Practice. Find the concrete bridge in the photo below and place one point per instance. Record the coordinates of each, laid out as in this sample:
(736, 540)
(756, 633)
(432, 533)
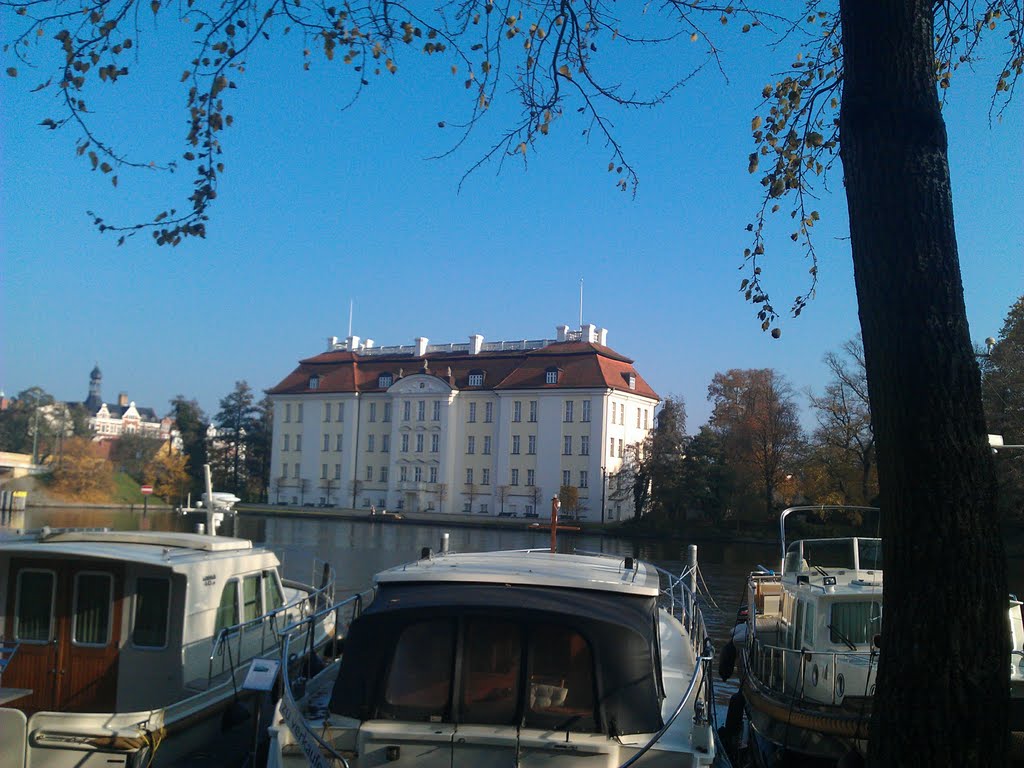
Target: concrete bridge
(14, 465)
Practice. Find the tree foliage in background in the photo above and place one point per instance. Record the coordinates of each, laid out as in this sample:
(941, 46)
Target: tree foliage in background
(660, 465)
(258, 447)
(191, 423)
(235, 421)
(706, 479)
(755, 418)
(1003, 391)
(132, 453)
(844, 441)
(84, 475)
(569, 500)
(20, 422)
(166, 472)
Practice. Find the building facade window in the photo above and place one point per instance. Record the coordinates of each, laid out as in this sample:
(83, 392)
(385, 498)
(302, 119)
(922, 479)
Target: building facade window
(421, 410)
(485, 476)
(314, 382)
(433, 474)
(435, 443)
(551, 376)
(417, 474)
(369, 473)
(638, 418)
(384, 381)
(385, 443)
(567, 445)
(341, 411)
(515, 444)
(476, 379)
(373, 411)
(406, 410)
(298, 412)
(531, 444)
(611, 446)
(298, 442)
(584, 445)
(337, 443)
(405, 443)
(419, 443)
(568, 410)
(287, 412)
(337, 471)
(471, 444)
(403, 474)
(387, 412)
(488, 412)
(469, 476)
(583, 478)
(622, 413)
(323, 471)
(566, 479)
(327, 411)
(517, 410)
(645, 418)
(533, 410)
(287, 441)
(632, 381)
(530, 475)
(327, 442)
(436, 416)
(586, 411)
(369, 443)
(384, 474)
(472, 412)
(487, 445)
(296, 470)
(515, 477)
(621, 454)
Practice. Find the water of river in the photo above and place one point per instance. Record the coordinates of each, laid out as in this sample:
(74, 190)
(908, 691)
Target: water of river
(360, 548)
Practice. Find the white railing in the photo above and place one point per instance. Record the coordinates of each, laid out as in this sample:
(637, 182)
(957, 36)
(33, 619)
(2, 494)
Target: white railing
(785, 671)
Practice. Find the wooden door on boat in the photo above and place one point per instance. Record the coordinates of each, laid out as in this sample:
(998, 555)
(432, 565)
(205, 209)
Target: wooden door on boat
(66, 616)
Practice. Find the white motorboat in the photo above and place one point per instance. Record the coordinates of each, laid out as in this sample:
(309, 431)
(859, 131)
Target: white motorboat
(523, 658)
(807, 642)
(128, 647)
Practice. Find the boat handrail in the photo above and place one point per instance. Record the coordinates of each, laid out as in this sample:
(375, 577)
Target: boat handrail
(299, 629)
(763, 656)
(813, 508)
(305, 603)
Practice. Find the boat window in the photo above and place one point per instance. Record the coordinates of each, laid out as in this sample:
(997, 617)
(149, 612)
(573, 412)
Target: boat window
(870, 554)
(33, 615)
(94, 595)
(227, 611)
(274, 596)
(419, 680)
(490, 672)
(829, 553)
(561, 676)
(152, 601)
(252, 607)
(857, 622)
(798, 625)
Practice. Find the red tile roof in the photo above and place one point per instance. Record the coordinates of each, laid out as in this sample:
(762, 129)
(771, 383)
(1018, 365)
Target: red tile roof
(580, 365)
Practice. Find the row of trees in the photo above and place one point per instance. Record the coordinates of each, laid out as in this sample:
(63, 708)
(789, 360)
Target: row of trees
(237, 447)
(753, 456)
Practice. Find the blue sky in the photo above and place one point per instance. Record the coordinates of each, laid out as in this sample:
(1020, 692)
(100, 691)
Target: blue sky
(320, 206)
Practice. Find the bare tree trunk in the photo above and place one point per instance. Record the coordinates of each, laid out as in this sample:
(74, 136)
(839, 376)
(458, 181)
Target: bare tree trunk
(943, 684)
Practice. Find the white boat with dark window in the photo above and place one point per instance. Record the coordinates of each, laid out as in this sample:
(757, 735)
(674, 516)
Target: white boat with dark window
(522, 658)
(807, 642)
(128, 647)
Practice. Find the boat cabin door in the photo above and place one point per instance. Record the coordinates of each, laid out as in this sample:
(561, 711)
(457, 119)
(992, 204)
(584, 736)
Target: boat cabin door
(66, 616)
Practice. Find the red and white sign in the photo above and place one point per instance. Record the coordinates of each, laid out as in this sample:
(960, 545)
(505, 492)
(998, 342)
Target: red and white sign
(146, 490)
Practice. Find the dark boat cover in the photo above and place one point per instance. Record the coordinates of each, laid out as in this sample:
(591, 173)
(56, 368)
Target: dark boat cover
(620, 630)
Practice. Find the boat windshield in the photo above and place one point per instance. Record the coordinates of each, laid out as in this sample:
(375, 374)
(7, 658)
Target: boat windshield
(834, 554)
(857, 622)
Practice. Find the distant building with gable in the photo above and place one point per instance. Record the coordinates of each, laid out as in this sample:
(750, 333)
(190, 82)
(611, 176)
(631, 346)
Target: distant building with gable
(111, 420)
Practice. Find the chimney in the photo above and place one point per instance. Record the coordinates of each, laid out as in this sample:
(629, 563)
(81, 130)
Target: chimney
(122, 399)
(352, 343)
(589, 332)
(563, 332)
(476, 343)
(332, 341)
(602, 337)
(421, 345)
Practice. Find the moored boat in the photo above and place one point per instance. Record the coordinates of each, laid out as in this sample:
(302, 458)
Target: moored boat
(807, 646)
(517, 657)
(132, 647)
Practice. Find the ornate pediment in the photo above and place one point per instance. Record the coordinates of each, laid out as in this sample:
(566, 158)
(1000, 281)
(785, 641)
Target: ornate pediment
(420, 383)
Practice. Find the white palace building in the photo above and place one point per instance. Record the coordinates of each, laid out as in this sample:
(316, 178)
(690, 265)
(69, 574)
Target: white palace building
(479, 427)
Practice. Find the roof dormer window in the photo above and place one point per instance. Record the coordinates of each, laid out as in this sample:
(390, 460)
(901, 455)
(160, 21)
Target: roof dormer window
(476, 378)
(314, 382)
(551, 376)
(632, 381)
(384, 381)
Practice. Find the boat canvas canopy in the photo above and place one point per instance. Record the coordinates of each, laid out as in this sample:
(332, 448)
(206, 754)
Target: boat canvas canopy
(615, 635)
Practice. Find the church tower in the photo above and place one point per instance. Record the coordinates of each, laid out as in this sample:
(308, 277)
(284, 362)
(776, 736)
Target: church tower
(95, 398)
